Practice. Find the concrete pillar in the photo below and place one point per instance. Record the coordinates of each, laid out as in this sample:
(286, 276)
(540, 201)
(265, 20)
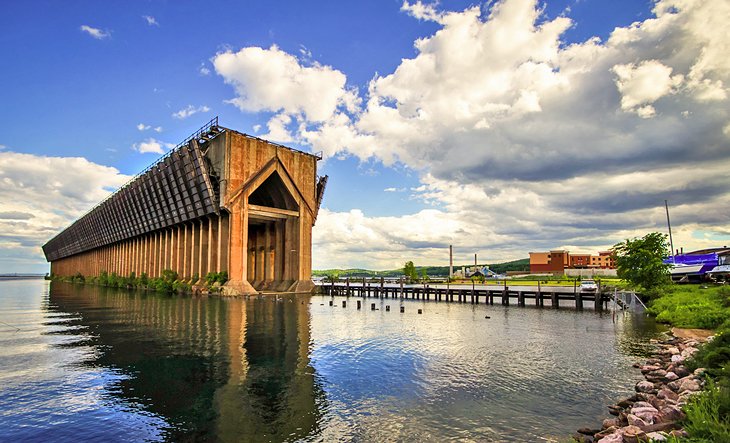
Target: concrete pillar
(259, 242)
(250, 257)
(237, 250)
(150, 255)
(213, 244)
(291, 250)
(164, 262)
(185, 273)
(223, 239)
(136, 256)
(203, 257)
(279, 252)
(194, 250)
(268, 253)
(125, 260)
(178, 250)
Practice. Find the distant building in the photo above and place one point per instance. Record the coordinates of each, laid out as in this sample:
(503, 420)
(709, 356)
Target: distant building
(557, 261)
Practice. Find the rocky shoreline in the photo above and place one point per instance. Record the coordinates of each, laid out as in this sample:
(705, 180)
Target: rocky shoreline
(654, 412)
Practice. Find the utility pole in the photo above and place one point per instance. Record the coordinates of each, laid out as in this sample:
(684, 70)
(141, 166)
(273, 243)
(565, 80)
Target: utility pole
(451, 261)
(669, 225)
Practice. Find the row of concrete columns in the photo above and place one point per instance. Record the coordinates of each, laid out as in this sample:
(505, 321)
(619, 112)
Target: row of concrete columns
(190, 249)
(272, 258)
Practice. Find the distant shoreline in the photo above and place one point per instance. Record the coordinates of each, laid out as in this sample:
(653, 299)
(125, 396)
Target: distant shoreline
(21, 276)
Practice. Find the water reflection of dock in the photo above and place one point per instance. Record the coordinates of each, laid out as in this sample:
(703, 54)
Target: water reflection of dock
(539, 295)
(215, 369)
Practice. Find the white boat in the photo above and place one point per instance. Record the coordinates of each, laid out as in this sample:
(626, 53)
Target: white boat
(681, 269)
(722, 269)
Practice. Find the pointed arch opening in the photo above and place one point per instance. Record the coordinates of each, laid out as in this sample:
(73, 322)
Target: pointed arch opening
(273, 235)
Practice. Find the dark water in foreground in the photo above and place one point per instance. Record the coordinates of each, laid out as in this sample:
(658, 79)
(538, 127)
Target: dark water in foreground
(87, 363)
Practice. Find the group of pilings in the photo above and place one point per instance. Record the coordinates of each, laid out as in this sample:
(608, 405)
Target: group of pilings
(372, 306)
(503, 295)
(190, 249)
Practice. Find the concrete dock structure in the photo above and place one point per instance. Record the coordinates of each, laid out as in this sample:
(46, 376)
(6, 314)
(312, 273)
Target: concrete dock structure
(220, 201)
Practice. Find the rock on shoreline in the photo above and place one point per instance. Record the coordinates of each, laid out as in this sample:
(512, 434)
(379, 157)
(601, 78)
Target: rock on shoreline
(655, 410)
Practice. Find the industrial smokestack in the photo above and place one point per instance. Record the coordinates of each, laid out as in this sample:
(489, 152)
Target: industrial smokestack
(475, 259)
(451, 261)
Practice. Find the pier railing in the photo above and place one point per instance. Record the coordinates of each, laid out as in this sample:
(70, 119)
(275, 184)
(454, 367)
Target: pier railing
(506, 294)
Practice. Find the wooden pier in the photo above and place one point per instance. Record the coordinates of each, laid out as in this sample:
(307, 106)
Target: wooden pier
(519, 295)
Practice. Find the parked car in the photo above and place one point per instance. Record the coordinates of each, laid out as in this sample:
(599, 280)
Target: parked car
(588, 286)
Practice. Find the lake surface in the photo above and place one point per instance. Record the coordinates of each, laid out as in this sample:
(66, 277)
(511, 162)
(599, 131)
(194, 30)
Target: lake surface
(88, 363)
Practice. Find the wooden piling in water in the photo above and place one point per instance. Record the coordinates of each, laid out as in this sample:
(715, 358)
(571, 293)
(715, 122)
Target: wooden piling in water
(359, 304)
(554, 299)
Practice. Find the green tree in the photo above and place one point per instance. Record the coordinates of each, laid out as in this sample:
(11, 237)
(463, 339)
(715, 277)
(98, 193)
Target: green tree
(424, 274)
(640, 262)
(409, 270)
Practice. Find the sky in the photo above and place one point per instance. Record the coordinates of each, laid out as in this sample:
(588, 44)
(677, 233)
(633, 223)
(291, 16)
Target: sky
(499, 127)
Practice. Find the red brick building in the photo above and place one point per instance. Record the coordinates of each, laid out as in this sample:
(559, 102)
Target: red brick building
(558, 260)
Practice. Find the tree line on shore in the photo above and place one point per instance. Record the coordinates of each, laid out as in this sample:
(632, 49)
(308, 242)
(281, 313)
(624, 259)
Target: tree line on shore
(521, 265)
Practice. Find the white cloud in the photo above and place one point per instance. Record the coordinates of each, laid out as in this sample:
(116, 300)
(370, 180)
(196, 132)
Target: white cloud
(203, 69)
(642, 85)
(272, 80)
(97, 33)
(421, 11)
(37, 202)
(3, 147)
(189, 110)
(150, 20)
(153, 146)
(277, 129)
(522, 142)
(143, 127)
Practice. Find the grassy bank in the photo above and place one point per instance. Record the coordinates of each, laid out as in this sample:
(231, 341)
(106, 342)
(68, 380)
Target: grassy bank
(168, 283)
(693, 306)
(696, 306)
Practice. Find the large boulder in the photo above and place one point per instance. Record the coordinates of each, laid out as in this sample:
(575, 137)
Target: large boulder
(689, 384)
(648, 414)
(612, 438)
(644, 386)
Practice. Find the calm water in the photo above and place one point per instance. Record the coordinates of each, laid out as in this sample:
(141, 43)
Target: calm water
(88, 363)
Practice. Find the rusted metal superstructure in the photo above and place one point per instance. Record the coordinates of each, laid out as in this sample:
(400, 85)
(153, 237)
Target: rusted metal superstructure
(220, 201)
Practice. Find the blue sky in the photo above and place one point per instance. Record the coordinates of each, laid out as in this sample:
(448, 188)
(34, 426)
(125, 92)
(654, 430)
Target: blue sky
(499, 127)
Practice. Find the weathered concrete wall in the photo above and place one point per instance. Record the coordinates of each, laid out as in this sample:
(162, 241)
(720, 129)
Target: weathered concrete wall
(250, 162)
(264, 242)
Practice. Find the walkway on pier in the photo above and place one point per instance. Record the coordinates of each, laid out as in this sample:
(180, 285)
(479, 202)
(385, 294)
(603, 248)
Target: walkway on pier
(539, 295)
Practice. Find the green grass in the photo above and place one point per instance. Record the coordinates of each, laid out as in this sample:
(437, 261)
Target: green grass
(691, 306)
(697, 306)
(707, 415)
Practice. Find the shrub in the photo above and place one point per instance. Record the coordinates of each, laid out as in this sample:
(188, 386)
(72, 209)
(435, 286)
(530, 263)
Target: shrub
(708, 414)
(181, 287)
(144, 280)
